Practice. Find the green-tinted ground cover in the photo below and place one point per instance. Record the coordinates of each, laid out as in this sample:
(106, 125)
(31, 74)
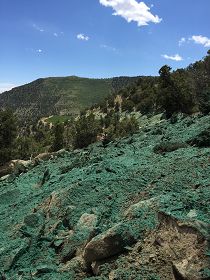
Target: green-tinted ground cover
(105, 182)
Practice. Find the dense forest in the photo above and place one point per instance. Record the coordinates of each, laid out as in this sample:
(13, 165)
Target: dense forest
(184, 90)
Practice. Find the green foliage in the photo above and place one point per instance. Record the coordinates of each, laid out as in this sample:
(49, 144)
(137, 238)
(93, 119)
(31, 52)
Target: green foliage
(59, 136)
(166, 147)
(199, 77)
(136, 98)
(110, 101)
(102, 104)
(109, 118)
(105, 109)
(8, 133)
(83, 112)
(122, 82)
(127, 105)
(54, 119)
(126, 127)
(157, 131)
(145, 105)
(25, 147)
(117, 106)
(204, 104)
(123, 92)
(87, 129)
(202, 139)
(107, 139)
(173, 118)
(173, 94)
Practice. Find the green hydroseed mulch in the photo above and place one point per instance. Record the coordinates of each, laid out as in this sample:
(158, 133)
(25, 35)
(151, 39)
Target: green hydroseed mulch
(104, 182)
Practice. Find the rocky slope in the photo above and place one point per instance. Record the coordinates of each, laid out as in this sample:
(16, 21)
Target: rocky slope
(114, 210)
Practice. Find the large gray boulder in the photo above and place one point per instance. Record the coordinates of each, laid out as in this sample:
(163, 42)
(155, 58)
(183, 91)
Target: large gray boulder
(110, 243)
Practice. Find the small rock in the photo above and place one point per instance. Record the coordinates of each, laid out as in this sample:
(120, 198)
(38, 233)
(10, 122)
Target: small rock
(192, 214)
(112, 275)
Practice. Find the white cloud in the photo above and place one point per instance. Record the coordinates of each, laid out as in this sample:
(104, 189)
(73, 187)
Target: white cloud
(35, 26)
(56, 34)
(39, 50)
(201, 40)
(82, 37)
(108, 48)
(181, 41)
(176, 57)
(6, 87)
(131, 10)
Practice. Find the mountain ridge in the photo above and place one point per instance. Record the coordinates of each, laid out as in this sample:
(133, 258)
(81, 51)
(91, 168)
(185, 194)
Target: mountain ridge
(60, 95)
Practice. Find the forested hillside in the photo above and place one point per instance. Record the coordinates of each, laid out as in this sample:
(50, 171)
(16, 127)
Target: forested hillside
(59, 95)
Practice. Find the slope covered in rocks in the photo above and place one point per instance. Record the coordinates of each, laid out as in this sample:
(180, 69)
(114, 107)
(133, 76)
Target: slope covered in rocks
(113, 210)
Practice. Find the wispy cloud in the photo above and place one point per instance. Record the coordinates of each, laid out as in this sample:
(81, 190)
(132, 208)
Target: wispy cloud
(33, 50)
(176, 57)
(131, 10)
(181, 41)
(35, 26)
(201, 40)
(55, 34)
(82, 37)
(108, 48)
(6, 87)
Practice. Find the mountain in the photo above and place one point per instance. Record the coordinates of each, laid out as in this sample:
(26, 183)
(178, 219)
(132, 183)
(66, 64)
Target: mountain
(59, 95)
(131, 208)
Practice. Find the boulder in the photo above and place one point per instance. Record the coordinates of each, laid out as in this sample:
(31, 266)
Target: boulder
(81, 234)
(110, 243)
(43, 156)
(86, 224)
(18, 165)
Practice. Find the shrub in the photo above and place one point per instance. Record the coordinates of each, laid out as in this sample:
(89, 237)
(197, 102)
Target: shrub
(107, 139)
(117, 106)
(202, 139)
(204, 104)
(157, 131)
(123, 92)
(174, 118)
(127, 105)
(166, 147)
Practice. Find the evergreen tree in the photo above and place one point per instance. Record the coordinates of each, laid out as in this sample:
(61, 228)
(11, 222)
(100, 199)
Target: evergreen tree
(59, 136)
(87, 129)
(173, 95)
(8, 133)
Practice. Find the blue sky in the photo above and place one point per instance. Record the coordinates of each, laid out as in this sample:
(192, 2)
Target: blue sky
(99, 38)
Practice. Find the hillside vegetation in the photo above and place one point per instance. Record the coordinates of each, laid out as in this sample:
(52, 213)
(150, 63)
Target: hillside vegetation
(119, 114)
(60, 95)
